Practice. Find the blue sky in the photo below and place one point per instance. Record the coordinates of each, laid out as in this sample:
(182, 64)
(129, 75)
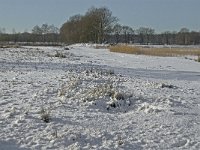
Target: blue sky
(162, 15)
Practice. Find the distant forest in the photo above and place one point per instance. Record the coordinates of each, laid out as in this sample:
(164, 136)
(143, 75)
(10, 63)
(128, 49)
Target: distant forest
(98, 25)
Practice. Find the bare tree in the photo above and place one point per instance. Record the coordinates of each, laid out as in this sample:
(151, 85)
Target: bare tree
(93, 26)
(128, 32)
(2, 30)
(101, 22)
(53, 29)
(36, 30)
(117, 29)
(45, 28)
(145, 34)
(71, 31)
(183, 36)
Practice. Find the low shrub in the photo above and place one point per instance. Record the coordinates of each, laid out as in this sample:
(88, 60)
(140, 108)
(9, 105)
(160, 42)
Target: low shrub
(60, 55)
(45, 115)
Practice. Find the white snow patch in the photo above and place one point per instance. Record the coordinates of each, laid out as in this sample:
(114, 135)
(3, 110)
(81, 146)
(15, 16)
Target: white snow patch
(96, 99)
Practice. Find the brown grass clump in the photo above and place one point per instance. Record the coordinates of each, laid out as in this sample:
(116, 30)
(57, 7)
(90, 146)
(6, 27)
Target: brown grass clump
(125, 49)
(164, 52)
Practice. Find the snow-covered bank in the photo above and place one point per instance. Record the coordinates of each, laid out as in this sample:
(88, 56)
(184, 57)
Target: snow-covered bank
(97, 100)
(121, 60)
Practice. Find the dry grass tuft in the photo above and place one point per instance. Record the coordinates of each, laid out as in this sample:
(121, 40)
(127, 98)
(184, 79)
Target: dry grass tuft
(164, 52)
(101, 46)
(125, 49)
(9, 46)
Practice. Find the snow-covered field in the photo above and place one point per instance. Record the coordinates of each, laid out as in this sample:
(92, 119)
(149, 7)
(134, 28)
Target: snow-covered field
(94, 99)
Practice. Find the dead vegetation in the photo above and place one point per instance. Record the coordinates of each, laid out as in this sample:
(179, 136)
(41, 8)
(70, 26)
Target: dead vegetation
(9, 46)
(164, 52)
(101, 46)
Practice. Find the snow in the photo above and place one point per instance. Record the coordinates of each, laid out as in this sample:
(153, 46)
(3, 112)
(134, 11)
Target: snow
(95, 99)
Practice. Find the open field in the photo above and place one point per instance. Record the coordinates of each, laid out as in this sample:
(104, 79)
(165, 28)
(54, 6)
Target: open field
(155, 51)
(87, 98)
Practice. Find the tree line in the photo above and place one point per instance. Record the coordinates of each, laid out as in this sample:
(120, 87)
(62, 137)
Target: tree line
(98, 25)
(146, 36)
(44, 34)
